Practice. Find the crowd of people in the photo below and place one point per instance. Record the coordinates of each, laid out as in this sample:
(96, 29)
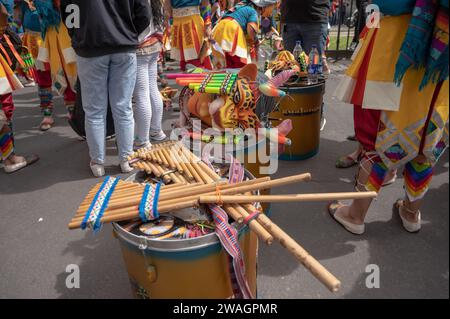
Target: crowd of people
(398, 82)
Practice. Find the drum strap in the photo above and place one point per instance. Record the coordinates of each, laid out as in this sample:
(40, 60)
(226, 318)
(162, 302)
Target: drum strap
(99, 204)
(229, 238)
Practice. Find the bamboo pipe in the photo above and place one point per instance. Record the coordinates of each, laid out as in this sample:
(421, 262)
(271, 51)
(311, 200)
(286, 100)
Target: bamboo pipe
(169, 197)
(319, 271)
(209, 171)
(165, 160)
(247, 199)
(132, 212)
(132, 189)
(170, 160)
(122, 209)
(131, 193)
(188, 164)
(260, 231)
(174, 197)
(206, 178)
(185, 170)
(177, 164)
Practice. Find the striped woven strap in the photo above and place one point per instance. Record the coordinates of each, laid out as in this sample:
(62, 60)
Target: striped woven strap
(148, 208)
(229, 239)
(93, 216)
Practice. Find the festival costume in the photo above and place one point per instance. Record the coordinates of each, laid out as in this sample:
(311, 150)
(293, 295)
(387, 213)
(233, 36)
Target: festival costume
(187, 36)
(400, 113)
(232, 38)
(48, 41)
(8, 83)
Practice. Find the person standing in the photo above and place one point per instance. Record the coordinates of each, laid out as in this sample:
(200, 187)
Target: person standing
(148, 109)
(55, 63)
(237, 33)
(306, 21)
(105, 44)
(9, 83)
(189, 30)
(406, 59)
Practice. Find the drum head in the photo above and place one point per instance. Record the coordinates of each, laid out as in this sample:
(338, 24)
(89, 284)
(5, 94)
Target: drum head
(77, 119)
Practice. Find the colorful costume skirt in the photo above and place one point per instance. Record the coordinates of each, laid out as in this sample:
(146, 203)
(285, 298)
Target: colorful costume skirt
(398, 122)
(8, 80)
(187, 34)
(57, 54)
(229, 35)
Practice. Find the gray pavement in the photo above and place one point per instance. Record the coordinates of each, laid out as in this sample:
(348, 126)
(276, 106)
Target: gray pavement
(37, 203)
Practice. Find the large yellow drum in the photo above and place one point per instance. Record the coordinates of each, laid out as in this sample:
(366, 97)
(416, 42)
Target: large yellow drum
(303, 106)
(195, 268)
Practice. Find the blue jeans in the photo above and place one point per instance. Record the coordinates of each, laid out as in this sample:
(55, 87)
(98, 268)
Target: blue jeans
(109, 77)
(308, 33)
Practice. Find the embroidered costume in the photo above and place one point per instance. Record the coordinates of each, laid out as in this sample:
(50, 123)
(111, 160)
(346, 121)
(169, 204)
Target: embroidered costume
(400, 94)
(48, 41)
(188, 31)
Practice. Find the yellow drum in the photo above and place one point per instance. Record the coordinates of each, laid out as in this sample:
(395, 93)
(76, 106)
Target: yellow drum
(303, 107)
(195, 268)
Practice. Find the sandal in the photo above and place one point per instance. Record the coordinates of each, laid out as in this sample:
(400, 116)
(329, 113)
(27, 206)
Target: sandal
(46, 123)
(350, 227)
(346, 162)
(29, 160)
(410, 227)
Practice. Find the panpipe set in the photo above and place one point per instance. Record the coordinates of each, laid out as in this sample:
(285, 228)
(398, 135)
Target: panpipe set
(192, 183)
(213, 83)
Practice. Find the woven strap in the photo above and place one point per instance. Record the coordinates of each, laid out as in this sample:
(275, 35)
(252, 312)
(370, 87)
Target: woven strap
(148, 208)
(93, 216)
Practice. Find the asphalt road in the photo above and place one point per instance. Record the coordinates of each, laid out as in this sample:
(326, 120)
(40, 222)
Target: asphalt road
(37, 203)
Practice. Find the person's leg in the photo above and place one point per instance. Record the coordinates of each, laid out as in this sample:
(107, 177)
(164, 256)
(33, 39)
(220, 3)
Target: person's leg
(44, 81)
(417, 176)
(156, 100)
(11, 161)
(93, 74)
(313, 34)
(121, 82)
(291, 35)
(142, 107)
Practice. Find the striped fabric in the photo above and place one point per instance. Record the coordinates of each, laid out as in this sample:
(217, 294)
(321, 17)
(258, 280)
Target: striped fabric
(377, 175)
(148, 208)
(417, 179)
(229, 239)
(95, 212)
(6, 144)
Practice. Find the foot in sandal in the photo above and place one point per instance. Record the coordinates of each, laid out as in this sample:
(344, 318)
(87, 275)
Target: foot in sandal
(15, 163)
(46, 123)
(411, 220)
(346, 162)
(340, 213)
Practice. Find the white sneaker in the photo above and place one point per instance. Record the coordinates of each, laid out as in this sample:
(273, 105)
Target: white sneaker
(158, 136)
(125, 167)
(147, 145)
(98, 170)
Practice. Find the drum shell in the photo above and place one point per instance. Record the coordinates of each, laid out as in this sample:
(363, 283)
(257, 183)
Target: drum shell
(303, 106)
